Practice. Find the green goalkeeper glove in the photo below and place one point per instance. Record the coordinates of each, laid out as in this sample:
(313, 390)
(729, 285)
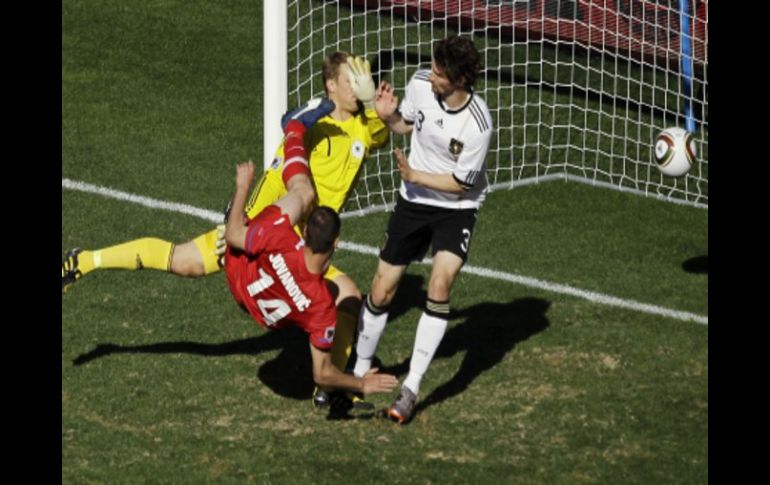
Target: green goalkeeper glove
(360, 76)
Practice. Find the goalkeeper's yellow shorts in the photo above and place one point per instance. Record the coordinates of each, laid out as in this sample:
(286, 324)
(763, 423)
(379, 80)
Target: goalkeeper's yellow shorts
(269, 189)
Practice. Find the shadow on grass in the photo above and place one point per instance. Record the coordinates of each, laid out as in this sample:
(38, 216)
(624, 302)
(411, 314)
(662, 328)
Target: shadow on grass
(289, 374)
(698, 265)
(488, 332)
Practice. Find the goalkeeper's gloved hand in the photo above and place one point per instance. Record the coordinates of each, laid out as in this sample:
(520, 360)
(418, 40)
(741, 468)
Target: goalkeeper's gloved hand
(360, 76)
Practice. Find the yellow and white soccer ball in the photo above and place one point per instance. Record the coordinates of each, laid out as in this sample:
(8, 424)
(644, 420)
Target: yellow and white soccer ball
(675, 151)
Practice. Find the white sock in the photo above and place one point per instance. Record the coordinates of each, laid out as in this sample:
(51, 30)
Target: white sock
(370, 328)
(430, 331)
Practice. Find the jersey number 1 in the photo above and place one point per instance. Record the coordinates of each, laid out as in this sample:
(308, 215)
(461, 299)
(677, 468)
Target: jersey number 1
(272, 309)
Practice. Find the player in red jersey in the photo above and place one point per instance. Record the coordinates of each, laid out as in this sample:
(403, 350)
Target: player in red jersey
(278, 277)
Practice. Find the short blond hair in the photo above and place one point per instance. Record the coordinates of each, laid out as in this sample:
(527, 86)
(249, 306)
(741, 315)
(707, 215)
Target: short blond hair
(331, 66)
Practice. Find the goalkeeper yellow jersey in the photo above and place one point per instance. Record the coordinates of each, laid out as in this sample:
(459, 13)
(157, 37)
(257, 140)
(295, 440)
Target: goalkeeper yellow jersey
(337, 149)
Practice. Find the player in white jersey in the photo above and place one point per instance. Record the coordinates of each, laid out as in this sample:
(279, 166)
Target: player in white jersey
(443, 185)
(446, 141)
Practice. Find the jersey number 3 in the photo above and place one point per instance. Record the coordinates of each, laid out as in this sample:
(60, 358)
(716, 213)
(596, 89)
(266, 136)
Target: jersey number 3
(272, 309)
(420, 119)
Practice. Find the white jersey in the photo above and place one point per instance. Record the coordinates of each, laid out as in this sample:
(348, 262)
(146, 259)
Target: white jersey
(446, 141)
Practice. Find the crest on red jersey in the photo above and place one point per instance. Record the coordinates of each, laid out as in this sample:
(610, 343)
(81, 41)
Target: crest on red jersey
(328, 335)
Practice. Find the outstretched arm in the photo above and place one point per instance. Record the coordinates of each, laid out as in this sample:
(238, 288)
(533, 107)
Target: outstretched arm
(386, 105)
(235, 231)
(325, 374)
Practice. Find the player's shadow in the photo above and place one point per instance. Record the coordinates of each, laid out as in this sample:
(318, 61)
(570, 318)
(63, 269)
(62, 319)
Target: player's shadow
(698, 265)
(289, 374)
(489, 331)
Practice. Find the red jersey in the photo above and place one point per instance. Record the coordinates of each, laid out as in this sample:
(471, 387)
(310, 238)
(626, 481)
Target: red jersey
(270, 280)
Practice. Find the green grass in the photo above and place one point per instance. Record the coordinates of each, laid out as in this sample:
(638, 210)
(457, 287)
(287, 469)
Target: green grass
(165, 380)
(162, 376)
(174, 83)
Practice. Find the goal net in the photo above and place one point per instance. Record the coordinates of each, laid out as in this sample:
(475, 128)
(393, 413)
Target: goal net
(577, 89)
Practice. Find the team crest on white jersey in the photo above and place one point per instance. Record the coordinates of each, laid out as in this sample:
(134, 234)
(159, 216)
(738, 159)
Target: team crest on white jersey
(358, 149)
(455, 146)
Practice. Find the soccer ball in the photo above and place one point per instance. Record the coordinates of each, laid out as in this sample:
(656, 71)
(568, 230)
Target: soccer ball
(675, 151)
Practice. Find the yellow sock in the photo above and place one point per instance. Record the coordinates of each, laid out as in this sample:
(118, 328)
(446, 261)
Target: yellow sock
(343, 338)
(147, 252)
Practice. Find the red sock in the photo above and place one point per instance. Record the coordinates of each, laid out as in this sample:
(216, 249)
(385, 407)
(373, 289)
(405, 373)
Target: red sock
(294, 153)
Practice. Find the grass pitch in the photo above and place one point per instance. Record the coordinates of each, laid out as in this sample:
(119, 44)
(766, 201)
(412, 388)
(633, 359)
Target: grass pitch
(165, 380)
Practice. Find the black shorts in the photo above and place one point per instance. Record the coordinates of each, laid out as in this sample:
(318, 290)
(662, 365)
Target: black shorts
(413, 227)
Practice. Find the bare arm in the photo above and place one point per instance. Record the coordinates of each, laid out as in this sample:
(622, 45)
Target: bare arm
(436, 181)
(298, 199)
(325, 374)
(386, 105)
(235, 231)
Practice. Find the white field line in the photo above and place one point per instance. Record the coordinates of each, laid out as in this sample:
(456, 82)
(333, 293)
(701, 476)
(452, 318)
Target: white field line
(216, 217)
(595, 183)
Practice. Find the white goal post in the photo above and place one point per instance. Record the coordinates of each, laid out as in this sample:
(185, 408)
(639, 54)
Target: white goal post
(578, 89)
(274, 75)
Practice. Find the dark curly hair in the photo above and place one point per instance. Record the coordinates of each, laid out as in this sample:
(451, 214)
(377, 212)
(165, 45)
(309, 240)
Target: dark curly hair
(323, 227)
(459, 59)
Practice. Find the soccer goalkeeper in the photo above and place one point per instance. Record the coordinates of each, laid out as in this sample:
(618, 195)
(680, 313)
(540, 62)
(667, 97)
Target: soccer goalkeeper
(337, 145)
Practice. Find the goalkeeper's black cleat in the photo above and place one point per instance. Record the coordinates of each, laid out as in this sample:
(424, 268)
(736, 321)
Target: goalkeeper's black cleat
(321, 399)
(340, 399)
(336, 402)
(359, 402)
(308, 113)
(69, 269)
